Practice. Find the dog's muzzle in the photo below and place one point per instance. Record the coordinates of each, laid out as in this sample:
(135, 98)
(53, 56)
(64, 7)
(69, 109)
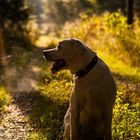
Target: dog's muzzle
(46, 54)
(58, 63)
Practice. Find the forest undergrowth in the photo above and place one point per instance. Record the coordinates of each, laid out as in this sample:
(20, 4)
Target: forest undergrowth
(119, 46)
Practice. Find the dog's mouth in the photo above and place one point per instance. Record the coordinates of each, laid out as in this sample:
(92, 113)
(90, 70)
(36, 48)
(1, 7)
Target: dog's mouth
(59, 64)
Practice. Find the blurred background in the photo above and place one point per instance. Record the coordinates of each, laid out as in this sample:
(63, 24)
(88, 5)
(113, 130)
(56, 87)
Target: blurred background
(29, 90)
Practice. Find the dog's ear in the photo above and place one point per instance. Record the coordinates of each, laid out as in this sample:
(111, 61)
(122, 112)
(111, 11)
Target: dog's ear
(78, 43)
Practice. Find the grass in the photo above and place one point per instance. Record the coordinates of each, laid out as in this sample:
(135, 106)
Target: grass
(119, 46)
(120, 67)
(4, 98)
(126, 118)
(50, 107)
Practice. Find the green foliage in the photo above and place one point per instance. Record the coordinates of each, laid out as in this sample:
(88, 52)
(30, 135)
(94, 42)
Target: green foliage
(4, 97)
(51, 105)
(116, 23)
(37, 136)
(61, 84)
(126, 118)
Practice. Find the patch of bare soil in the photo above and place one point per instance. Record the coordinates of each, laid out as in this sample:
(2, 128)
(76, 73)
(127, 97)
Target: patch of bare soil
(15, 124)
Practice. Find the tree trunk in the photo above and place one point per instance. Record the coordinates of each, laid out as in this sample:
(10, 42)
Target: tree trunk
(130, 12)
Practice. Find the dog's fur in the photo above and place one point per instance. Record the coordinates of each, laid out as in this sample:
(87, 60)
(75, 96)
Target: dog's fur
(89, 115)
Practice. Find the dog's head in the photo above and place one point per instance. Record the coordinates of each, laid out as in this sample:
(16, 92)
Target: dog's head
(69, 54)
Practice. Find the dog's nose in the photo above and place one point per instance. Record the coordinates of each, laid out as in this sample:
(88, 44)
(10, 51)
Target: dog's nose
(45, 54)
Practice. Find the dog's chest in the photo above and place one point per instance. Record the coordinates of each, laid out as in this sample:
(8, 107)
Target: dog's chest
(81, 96)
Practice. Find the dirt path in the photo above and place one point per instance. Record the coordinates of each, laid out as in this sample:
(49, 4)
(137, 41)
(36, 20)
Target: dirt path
(15, 124)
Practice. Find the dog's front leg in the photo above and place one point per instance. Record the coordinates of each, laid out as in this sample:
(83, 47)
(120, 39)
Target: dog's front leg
(74, 121)
(66, 135)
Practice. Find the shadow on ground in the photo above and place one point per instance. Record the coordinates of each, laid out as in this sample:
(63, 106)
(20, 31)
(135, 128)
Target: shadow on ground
(46, 116)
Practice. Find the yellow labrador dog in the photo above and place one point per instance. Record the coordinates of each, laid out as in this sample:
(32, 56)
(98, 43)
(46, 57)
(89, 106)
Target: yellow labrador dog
(89, 115)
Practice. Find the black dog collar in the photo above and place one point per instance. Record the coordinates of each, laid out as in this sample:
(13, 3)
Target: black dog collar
(86, 69)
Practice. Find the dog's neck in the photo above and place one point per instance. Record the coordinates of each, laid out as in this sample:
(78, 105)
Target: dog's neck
(81, 64)
(82, 72)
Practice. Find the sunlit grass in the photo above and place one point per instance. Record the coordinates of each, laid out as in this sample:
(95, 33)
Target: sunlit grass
(126, 118)
(119, 67)
(37, 136)
(4, 97)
